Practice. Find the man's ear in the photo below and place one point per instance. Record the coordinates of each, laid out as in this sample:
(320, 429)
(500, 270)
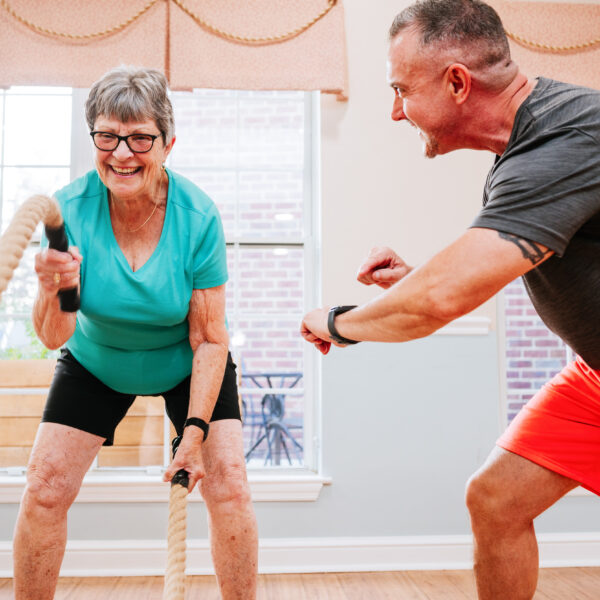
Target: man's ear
(459, 82)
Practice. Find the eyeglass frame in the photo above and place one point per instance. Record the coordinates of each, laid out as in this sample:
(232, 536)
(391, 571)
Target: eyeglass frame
(123, 138)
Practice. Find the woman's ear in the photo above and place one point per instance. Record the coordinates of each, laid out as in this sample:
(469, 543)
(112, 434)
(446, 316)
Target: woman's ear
(169, 147)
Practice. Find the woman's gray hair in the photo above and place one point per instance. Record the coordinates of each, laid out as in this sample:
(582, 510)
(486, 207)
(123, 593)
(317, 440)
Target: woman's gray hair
(129, 94)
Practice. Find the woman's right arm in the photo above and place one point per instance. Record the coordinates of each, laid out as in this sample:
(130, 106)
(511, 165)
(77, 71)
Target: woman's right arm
(53, 326)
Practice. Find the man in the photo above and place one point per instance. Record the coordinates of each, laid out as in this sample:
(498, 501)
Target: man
(450, 68)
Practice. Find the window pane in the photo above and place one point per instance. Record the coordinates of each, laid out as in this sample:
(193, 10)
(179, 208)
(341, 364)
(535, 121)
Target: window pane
(270, 362)
(533, 353)
(281, 442)
(270, 280)
(206, 129)
(271, 204)
(17, 336)
(271, 129)
(230, 286)
(245, 147)
(19, 295)
(20, 183)
(221, 187)
(38, 130)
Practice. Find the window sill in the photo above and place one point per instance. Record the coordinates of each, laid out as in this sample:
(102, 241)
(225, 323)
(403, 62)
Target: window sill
(277, 485)
(467, 325)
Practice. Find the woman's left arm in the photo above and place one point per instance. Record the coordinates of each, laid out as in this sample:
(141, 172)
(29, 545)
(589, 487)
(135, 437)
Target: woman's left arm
(210, 342)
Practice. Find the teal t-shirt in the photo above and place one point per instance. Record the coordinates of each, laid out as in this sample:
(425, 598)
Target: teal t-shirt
(132, 328)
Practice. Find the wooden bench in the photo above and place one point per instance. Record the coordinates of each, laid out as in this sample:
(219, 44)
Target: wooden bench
(23, 389)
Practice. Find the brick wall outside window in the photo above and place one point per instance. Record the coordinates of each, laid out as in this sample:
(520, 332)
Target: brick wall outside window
(533, 353)
(246, 150)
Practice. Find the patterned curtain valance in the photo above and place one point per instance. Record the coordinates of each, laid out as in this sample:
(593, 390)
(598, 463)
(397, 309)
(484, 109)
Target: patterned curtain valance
(557, 40)
(255, 44)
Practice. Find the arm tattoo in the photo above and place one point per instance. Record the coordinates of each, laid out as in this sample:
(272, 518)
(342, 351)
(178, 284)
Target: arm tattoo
(530, 250)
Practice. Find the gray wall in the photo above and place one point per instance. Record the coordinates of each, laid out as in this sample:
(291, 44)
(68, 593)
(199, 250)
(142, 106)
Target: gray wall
(403, 425)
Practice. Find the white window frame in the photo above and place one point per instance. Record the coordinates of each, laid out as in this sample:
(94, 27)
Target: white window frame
(267, 484)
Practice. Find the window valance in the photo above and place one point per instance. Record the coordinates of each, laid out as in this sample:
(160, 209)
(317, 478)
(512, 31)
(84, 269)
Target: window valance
(557, 40)
(255, 44)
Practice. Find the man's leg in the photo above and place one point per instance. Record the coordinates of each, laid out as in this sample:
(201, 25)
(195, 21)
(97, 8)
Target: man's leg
(503, 498)
(60, 458)
(233, 531)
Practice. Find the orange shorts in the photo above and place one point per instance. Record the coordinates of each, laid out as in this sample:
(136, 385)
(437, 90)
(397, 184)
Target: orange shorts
(559, 428)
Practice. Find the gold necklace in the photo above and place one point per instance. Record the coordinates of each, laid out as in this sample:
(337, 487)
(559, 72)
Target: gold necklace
(137, 228)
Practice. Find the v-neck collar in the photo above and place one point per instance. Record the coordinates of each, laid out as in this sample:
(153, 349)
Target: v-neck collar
(113, 240)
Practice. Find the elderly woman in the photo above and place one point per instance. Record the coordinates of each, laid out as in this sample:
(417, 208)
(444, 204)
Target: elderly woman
(149, 254)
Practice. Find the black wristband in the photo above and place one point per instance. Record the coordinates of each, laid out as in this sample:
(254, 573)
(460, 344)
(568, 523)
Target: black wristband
(333, 332)
(197, 423)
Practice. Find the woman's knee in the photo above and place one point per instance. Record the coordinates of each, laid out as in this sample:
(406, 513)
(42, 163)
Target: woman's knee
(227, 486)
(49, 489)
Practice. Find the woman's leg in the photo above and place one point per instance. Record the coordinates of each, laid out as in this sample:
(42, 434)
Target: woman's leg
(233, 531)
(59, 460)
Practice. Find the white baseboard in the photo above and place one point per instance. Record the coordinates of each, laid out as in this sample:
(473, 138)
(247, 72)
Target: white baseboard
(309, 555)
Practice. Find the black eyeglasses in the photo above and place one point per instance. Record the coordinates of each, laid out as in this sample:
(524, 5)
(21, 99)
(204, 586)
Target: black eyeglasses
(136, 142)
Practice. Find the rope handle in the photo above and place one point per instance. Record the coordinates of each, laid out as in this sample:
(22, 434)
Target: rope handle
(19, 232)
(182, 476)
(57, 239)
(176, 547)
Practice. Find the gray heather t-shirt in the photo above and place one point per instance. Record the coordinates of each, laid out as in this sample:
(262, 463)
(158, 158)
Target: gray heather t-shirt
(546, 188)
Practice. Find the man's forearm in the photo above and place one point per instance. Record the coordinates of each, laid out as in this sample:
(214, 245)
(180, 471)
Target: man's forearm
(406, 311)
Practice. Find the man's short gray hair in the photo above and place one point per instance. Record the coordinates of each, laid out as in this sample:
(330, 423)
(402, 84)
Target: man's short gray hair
(129, 94)
(457, 22)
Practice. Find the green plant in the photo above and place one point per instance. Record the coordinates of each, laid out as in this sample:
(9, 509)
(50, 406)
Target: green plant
(33, 349)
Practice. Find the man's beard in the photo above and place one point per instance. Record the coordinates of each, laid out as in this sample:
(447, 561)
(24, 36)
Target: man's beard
(431, 148)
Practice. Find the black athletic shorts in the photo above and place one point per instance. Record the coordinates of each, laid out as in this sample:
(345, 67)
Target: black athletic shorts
(80, 400)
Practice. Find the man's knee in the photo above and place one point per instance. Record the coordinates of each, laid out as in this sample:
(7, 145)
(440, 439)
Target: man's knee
(479, 495)
(228, 486)
(491, 502)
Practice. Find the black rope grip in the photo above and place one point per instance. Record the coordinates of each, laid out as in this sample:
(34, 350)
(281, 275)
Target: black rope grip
(57, 240)
(181, 477)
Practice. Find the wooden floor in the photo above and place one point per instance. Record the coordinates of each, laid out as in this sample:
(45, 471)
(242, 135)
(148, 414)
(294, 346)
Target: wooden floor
(554, 584)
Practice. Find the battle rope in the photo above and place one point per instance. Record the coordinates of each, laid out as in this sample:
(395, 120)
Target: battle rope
(20, 230)
(175, 573)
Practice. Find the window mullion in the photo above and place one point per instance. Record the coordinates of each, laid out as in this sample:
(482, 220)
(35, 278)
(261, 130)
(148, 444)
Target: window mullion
(2, 154)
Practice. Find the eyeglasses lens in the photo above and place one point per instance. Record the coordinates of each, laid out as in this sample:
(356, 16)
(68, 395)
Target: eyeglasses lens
(136, 143)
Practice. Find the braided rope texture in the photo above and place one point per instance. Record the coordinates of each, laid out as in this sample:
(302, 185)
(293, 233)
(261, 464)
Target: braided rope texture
(175, 574)
(76, 36)
(20, 230)
(539, 46)
(273, 39)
